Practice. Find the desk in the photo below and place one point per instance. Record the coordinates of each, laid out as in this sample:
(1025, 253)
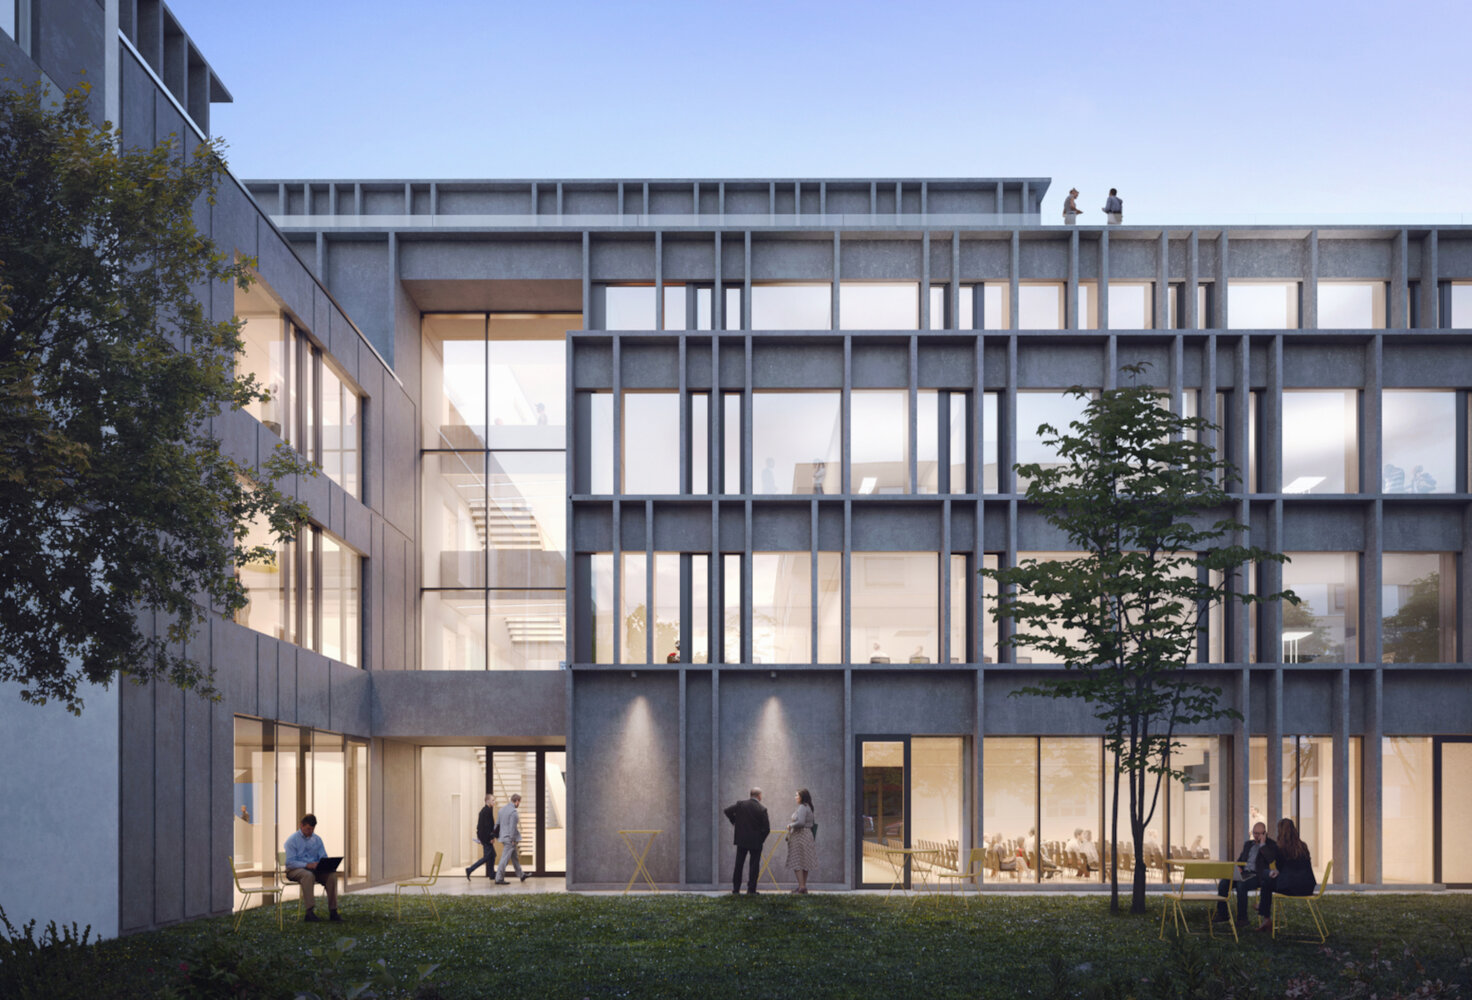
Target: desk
(897, 856)
(768, 855)
(631, 839)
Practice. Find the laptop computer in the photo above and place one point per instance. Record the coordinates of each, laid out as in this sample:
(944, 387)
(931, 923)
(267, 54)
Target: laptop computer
(326, 866)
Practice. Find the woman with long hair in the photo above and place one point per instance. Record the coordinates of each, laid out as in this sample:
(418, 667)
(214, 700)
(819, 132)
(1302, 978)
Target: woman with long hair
(1283, 866)
(802, 847)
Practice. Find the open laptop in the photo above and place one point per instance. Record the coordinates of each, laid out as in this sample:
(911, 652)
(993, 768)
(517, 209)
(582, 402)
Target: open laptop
(326, 866)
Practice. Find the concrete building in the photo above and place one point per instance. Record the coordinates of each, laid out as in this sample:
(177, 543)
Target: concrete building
(639, 492)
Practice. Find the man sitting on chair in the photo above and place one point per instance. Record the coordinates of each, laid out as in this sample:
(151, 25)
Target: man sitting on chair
(1247, 879)
(303, 850)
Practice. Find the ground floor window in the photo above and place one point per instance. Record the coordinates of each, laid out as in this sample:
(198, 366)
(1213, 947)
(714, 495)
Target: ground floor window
(453, 785)
(284, 772)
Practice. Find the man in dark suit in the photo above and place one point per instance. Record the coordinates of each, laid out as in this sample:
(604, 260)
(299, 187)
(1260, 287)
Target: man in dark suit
(749, 817)
(486, 833)
(1247, 875)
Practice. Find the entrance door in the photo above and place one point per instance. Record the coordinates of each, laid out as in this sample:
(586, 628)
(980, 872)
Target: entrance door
(539, 776)
(912, 794)
(1453, 799)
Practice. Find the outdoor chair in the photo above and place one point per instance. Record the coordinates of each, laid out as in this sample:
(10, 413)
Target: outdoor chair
(274, 889)
(1175, 903)
(974, 870)
(1310, 903)
(423, 885)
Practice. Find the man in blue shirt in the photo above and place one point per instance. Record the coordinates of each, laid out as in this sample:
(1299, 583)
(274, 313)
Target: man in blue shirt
(303, 850)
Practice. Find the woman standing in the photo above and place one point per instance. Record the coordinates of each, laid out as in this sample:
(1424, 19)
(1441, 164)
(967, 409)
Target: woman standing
(802, 848)
(1294, 875)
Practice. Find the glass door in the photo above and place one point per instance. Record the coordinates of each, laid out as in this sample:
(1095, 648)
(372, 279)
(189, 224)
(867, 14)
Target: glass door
(1453, 813)
(884, 763)
(539, 776)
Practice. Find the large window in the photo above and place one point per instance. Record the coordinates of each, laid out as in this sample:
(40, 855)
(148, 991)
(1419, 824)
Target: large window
(1320, 441)
(1406, 809)
(1413, 460)
(308, 592)
(284, 772)
(895, 605)
(792, 307)
(1324, 625)
(1308, 795)
(1040, 305)
(1262, 305)
(796, 442)
(881, 440)
(1176, 307)
(312, 406)
(651, 442)
(1352, 305)
(1131, 305)
(879, 305)
(782, 606)
(1461, 305)
(1418, 605)
(1034, 409)
(494, 498)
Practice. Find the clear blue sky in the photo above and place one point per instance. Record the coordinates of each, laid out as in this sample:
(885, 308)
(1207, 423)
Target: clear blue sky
(1187, 107)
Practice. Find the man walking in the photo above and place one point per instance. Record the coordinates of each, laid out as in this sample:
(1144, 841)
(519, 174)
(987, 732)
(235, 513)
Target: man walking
(485, 832)
(304, 849)
(749, 817)
(510, 824)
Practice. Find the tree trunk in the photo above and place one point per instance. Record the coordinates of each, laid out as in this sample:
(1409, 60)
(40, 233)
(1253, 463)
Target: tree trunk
(1137, 832)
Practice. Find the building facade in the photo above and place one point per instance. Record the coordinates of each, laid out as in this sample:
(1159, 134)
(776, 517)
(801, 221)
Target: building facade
(638, 493)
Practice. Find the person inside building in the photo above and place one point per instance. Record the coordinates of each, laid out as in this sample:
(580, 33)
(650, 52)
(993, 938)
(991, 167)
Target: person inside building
(486, 832)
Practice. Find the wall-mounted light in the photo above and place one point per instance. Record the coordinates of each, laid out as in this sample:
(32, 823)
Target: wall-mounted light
(773, 675)
(634, 673)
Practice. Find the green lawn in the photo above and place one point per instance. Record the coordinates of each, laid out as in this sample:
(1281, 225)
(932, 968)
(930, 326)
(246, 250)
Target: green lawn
(562, 946)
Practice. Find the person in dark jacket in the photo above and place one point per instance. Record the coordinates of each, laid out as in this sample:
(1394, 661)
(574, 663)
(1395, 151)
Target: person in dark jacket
(486, 833)
(749, 817)
(1247, 879)
(1294, 874)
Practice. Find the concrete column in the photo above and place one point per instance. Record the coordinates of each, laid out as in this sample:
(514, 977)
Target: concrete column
(1103, 279)
(924, 280)
(1189, 318)
(850, 774)
(1071, 320)
(1308, 308)
(1430, 299)
(1372, 760)
(717, 312)
(837, 276)
(953, 304)
(1241, 758)
(1276, 780)
(684, 754)
(1399, 289)
(1340, 791)
(658, 284)
(1223, 268)
(1012, 277)
(746, 283)
(1162, 320)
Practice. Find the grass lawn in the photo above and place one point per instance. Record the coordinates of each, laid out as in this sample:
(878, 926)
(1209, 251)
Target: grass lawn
(563, 946)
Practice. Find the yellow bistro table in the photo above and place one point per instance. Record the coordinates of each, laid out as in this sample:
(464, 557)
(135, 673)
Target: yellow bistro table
(897, 856)
(632, 839)
(768, 855)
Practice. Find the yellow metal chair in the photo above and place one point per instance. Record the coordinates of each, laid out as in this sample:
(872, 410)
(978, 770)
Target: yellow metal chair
(1311, 903)
(301, 902)
(974, 870)
(274, 889)
(1175, 903)
(423, 885)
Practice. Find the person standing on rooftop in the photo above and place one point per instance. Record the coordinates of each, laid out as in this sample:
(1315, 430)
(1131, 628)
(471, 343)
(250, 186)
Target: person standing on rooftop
(1114, 207)
(1070, 207)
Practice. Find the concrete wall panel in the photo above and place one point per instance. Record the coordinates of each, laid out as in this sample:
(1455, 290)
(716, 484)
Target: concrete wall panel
(879, 260)
(700, 802)
(471, 707)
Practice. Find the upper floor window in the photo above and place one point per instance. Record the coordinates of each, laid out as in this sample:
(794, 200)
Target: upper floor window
(1352, 305)
(311, 406)
(1460, 308)
(1131, 305)
(797, 306)
(879, 305)
(1320, 441)
(309, 592)
(1414, 461)
(1175, 312)
(1040, 305)
(1262, 305)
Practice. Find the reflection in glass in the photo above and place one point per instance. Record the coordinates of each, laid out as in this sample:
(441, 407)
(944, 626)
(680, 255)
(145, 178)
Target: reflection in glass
(703, 299)
(601, 569)
(525, 520)
(1322, 626)
(699, 443)
(881, 808)
(830, 607)
(1418, 604)
(266, 355)
(1040, 305)
(731, 432)
(895, 606)
(527, 629)
(628, 307)
(674, 307)
(1262, 305)
(1308, 783)
(781, 607)
(357, 812)
(1195, 801)
(453, 517)
(960, 608)
(600, 444)
(1415, 461)
(792, 307)
(454, 380)
(554, 811)
(1351, 305)
(732, 315)
(966, 307)
(634, 593)
(989, 442)
(731, 609)
(527, 363)
(1088, 305)
(938, 307)
(878, 305)
(1072, 773)
(989, 639)
(1034, 409)
(699, 608)
(454, 629)
(959, 444)
(666, 603)
(341, 600)
(1131, 305)
(927, 441)
(938, 813)
(341, 440)
(1456, 814)
(1027, 654)
(795, 442)
(1406, 809)
(267, 584)
(327, 793)
(651, 438)
(1320, 441)
(253, 802)
(1009, 807)
(881, 440)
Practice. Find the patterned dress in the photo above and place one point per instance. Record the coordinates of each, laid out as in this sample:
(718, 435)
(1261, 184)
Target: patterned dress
(802, 849)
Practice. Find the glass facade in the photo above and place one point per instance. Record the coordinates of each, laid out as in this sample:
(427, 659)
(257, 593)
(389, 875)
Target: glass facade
(1418, 607)
(1262, 305)
(1320, 441)
(1323, 626)
(282, 773)
(1040, 305)
(1131, 305)
(1406, 810)
(308, 592)
(792, 306)
(796, 442)
(1352, 305)
(1034, 409)
(879, 305)
(1413, 460)
(896, 607)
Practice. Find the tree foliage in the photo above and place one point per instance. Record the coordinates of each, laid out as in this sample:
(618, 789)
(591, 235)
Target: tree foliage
(1138, 491)
(121, 521)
